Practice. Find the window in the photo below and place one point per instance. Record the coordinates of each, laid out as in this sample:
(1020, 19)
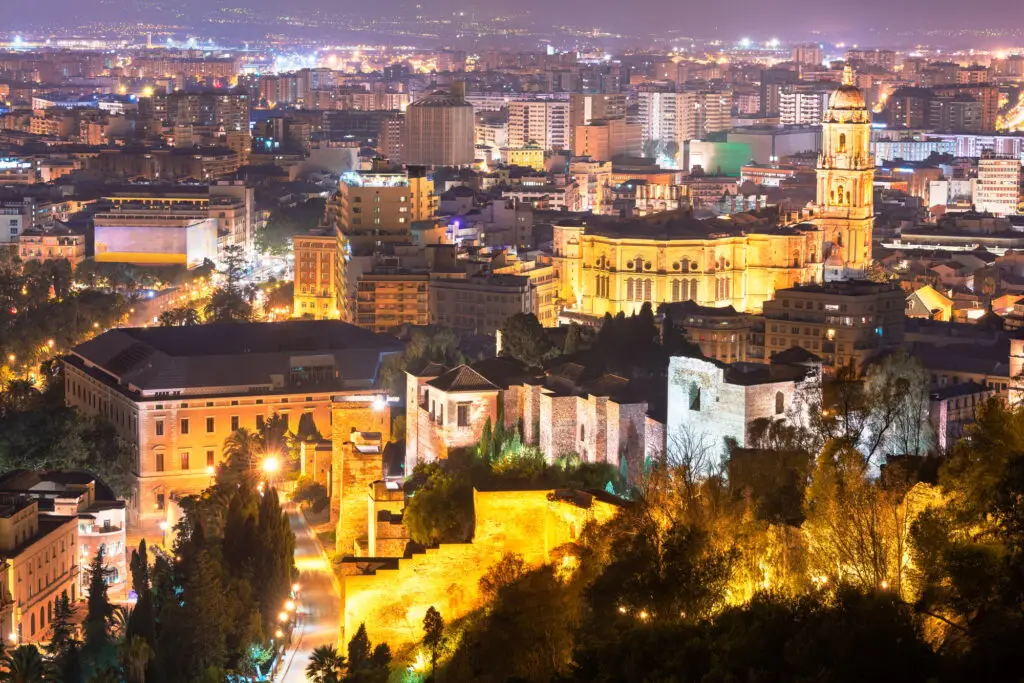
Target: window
(209, 458)
(694, 396)
(779, 403)
(462, 414)
(159, 427)
(259, 422)
(160, 501)
(234, 423)
(184, 425)
(209, 425)
(184, 460)
(159, 462)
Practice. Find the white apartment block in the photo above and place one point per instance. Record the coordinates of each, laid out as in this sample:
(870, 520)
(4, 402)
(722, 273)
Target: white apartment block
(542, 123)
(688, 115)
(801, 106)
(997, 190)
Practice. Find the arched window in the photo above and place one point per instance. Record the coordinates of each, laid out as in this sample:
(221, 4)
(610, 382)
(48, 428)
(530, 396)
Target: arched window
(780, 402)
(694, 396)
(675, 290)
(647, 290)
(638, 264)
(693, 290)
(629, 289)
(840, 195)
(842, 142)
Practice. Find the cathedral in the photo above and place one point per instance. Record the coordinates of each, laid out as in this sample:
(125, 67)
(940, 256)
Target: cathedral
(608, 266)
(846, 175)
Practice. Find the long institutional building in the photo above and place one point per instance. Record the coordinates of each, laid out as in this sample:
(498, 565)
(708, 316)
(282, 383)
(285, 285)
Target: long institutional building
(611, 266)
(176, 393)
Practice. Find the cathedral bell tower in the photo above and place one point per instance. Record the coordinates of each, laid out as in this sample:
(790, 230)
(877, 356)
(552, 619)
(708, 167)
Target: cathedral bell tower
(845, 175)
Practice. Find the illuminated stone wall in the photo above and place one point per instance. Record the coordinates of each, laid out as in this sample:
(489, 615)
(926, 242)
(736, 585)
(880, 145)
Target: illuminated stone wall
(354, 472)
(392, 602)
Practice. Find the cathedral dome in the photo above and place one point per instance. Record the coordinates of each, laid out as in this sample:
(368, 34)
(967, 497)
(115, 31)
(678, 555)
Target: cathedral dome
(847, 97)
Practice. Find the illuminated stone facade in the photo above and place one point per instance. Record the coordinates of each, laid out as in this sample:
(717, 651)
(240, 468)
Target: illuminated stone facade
(740, 261)
(391, 596)
(845, 176)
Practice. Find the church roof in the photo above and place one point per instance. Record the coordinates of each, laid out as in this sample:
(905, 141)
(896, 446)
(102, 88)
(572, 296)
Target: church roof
(847, 96)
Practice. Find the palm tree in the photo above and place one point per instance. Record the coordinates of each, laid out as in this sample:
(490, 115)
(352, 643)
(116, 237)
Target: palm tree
(136, 654)
(241, 448)
(24, 665)
(325, 665)
(119, 621)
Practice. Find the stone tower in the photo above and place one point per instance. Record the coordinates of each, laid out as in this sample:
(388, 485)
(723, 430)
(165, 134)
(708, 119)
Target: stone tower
(845, 175)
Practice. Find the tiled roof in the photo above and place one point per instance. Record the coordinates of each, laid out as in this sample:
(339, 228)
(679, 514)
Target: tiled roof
(463, 378)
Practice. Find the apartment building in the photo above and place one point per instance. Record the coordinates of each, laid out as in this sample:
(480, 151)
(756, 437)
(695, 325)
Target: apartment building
(998, 188)
(389, 297)
(843, 322)
(542, 123)
(378, 207)
(315, 296)
(479, 303)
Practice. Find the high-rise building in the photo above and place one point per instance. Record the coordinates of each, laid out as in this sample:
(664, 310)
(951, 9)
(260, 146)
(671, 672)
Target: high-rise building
(960, 114)
(885, 59)
(675, 117)
(544, 123)
(810, 54)
(998, 186)
(802, 104)
(845, 177)
(378, 207)
(605, 139)
(439, 130)
(772, 83)
(586, 107)
(213, 108)
(387, 298)
(389, 141)
(316, 254)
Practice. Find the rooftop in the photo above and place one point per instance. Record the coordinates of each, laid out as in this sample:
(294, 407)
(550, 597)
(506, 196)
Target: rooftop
(237, 357)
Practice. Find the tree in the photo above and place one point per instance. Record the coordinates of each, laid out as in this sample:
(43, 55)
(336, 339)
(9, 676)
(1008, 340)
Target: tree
(433, 635)
(136, 655)
(523, 338)
(139, 568)
(325, 665)
(432, 345)
(367, 664)
(311, 494)
(24, 665)
(441, 511)
(97, 623)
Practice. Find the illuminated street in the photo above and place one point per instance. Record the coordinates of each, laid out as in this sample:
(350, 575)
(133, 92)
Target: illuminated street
(319, 603)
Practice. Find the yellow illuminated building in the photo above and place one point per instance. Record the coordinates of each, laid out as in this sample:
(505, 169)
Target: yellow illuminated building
(527, 157)
(845, 175)
(616, 266)
(315, 269)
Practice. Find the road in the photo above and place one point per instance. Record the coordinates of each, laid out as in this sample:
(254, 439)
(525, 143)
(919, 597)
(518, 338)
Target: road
(319, 604)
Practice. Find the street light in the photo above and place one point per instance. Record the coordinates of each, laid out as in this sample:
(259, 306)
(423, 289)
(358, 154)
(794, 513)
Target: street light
(163, 532)
(271, 464)
(282, 617)
(289, 606)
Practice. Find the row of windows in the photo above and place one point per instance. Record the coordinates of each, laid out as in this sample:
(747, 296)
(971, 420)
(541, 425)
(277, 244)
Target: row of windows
(211, 424)
(184, 460)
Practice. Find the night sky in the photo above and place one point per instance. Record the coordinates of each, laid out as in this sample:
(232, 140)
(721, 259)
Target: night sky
(868, 21)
